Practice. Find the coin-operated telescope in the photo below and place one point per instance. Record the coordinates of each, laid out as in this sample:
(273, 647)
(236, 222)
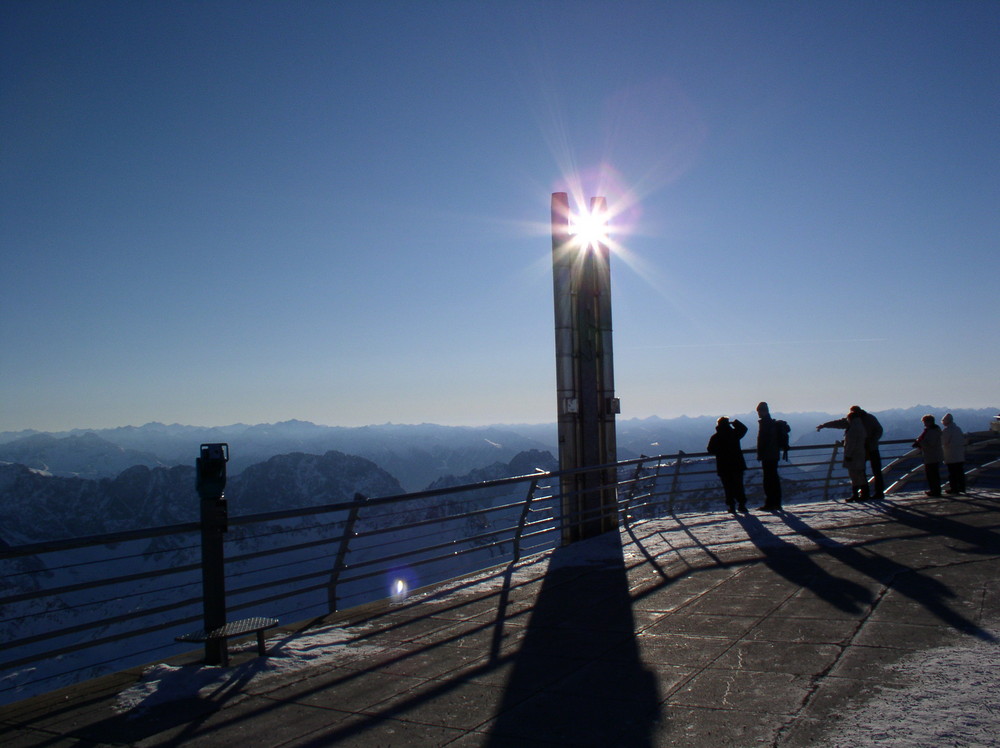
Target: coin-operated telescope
(210, 481)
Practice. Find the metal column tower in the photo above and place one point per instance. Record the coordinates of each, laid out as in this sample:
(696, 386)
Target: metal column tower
(585, 384)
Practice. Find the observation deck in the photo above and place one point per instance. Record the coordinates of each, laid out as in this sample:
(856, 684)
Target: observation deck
(697, 628)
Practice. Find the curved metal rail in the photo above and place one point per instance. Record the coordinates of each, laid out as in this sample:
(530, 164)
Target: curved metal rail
(78, 608)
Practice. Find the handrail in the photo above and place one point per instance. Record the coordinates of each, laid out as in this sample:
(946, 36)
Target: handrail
(122, 593)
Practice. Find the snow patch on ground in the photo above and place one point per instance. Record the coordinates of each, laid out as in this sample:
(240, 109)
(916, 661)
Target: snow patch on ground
(162, 683)
(951, 700)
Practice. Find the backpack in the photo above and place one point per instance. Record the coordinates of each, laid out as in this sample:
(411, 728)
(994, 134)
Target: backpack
(782, 430)
(873, 428)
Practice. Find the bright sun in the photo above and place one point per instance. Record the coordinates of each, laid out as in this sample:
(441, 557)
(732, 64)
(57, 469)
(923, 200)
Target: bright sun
(590, 229)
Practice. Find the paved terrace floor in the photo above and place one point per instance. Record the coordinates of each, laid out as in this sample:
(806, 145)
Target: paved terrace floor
(765, 629)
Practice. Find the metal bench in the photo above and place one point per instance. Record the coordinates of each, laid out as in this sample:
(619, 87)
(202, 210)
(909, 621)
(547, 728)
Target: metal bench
(233, 629)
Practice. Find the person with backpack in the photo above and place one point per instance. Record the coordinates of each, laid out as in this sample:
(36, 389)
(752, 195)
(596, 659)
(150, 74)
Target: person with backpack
(729, 462)
(772, 440)
(873, 433)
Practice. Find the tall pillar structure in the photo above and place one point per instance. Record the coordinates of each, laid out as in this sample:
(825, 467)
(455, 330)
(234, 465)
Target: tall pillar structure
(585, 389)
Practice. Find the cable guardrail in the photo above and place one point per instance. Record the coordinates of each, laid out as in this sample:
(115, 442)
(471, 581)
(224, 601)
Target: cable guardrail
(78, 608)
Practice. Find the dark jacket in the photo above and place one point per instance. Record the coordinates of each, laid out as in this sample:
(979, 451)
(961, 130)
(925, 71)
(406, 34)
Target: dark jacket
(768, 446)
(873, 429)
(725, 445)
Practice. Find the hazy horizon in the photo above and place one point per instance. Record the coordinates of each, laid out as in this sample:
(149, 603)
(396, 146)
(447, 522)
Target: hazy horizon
(933, 409)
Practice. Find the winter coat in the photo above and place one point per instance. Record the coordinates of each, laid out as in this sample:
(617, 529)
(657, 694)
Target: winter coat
(725, 445)
(929, 443)
(873, 429)
(768, 447)
(953, 443)
(854, 444)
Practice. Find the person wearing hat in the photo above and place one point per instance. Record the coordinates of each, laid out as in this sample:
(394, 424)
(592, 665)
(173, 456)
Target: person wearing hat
(768, 454)
(729, 461)
(929, 444)
(953, 447)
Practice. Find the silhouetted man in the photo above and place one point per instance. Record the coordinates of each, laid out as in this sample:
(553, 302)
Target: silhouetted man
(768, 454)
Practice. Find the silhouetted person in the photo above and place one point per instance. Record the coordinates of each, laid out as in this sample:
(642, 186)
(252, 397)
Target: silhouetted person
(768, 454)
(929, 444)
(854, 457)
(953, 449)
(729, 461)
(873, 432)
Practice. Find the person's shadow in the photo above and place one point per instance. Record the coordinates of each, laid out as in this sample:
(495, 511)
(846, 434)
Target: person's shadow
(797, 566)
(929, 592)
(577, 678)
(983, 541)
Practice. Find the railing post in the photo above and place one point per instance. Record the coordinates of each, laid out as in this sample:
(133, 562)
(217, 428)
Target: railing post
(523, 520)
(674, 483)
(338, 563)
(632, 489)
(829, 471)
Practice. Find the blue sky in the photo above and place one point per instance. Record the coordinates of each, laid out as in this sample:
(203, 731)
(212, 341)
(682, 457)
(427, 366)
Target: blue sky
(228, 212)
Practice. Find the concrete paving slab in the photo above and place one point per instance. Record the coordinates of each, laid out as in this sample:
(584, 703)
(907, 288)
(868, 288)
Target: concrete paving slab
(694, 624)
(804, 630)
(680, 726)
(750, 691)
(676, 648)
(868, 664)
(784, 657)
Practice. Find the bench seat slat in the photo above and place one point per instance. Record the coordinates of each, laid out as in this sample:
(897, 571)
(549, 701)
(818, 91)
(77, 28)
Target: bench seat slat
(233, 628)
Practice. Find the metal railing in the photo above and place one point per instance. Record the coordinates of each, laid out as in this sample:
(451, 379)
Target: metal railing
(78, 608)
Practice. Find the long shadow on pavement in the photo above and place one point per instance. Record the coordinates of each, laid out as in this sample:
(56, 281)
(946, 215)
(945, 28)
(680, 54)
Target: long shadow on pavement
(983, 541)
(580, 642)
(919, 587)
(797, 566)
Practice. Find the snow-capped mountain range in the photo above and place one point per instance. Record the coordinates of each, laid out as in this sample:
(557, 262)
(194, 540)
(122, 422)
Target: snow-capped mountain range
(88, 483)
(416, 455)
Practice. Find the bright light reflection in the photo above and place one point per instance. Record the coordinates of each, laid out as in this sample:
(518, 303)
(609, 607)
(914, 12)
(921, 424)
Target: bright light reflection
(400, 590)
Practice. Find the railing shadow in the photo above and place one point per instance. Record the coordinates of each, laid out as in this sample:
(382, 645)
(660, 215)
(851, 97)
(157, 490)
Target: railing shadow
(162, 711)
(577, 677)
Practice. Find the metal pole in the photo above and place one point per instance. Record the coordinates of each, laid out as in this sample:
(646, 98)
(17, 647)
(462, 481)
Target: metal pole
(584, 376)
(338, 564)
(567, 401)
(608, 406)
(210, 470)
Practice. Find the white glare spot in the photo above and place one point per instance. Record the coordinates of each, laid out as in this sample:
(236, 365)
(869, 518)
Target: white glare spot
(399, 590)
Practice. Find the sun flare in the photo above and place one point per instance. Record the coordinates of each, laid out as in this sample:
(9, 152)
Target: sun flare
(590, 229)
